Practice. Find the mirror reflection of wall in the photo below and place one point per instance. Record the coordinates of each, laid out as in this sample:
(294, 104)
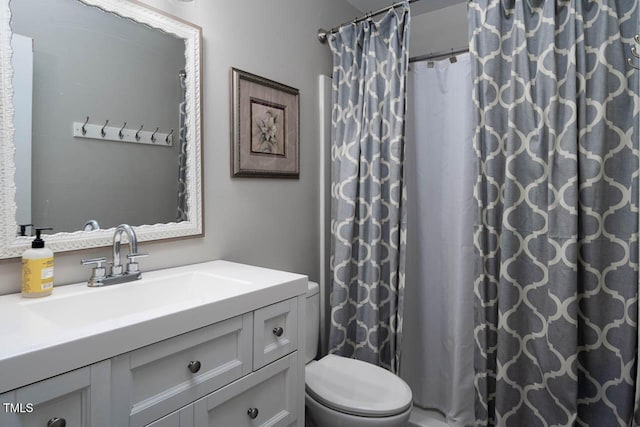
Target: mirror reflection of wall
(22, 61)
(87, 62)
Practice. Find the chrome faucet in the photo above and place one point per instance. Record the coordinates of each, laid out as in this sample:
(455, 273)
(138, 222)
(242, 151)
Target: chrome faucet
(99, 276)
(116, 268)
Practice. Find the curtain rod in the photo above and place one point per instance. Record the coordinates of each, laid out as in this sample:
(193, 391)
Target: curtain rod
(323, 34)
(440, 54)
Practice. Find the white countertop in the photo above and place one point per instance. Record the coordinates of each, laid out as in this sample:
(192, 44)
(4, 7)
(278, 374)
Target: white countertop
(78, 325)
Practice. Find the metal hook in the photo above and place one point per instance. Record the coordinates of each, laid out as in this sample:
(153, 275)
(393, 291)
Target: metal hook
(637, 38)
(102, 132)
(84, 130)
(121, 134)
(168, 136)
(635, 53)
(631, 64)
(138, 133)
(153, 135)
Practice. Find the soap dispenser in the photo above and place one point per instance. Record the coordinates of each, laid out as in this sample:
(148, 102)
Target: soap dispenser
(37, 268)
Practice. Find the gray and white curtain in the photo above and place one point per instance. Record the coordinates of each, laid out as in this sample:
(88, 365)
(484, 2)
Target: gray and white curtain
(368, 217)
(556, 230)
(182, 214)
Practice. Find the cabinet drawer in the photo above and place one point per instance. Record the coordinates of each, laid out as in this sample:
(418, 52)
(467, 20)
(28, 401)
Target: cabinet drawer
(79, 398)
(180, 418)
(275, 332)
(165, 376)
(269, 393)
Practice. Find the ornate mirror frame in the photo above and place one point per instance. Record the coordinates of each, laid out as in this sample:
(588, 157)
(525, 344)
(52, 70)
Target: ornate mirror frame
(12, 245)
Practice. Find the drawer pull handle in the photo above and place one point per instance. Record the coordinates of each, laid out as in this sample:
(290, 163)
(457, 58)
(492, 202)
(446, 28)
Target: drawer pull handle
(278, 331)
(253, 413)
(194, 366)
(56, 422)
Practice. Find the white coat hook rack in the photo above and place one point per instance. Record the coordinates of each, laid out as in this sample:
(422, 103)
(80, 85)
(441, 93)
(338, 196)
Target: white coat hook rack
(105, 132)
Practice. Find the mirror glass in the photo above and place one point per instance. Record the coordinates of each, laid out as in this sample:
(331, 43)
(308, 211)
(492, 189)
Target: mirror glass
(90, 89)
(99, 123)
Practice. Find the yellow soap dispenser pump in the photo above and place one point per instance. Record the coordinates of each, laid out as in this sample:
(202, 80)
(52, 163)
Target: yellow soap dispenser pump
(37, 268)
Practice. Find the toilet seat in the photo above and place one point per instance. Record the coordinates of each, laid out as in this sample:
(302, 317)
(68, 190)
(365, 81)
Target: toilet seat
(357, 388)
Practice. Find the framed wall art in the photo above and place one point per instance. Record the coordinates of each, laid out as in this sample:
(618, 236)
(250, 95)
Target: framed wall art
(265, 127)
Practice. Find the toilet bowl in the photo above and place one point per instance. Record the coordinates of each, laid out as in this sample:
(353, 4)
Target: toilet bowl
(343, 392)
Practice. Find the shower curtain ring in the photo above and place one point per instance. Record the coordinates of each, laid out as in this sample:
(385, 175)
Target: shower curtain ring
(631, 64)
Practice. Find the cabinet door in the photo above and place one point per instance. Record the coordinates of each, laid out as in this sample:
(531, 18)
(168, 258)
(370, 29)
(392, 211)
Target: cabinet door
(265, 397)
(275, 332)
(77, 398)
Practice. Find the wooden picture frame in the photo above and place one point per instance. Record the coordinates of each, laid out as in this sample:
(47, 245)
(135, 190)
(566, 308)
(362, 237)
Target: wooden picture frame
(265, 127)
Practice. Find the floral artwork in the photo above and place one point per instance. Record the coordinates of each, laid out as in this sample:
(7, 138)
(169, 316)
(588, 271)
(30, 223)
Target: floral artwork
(265, 127)
(267, 136)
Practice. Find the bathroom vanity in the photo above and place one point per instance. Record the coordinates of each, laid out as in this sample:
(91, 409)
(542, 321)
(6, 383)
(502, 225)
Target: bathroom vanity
(212, 344)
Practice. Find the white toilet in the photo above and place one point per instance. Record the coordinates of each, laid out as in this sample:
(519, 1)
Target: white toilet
(343, 392)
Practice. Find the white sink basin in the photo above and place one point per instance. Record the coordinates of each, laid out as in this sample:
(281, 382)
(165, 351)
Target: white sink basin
(170, 292)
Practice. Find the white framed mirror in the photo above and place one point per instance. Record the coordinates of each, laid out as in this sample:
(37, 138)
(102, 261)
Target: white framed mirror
(65, 72)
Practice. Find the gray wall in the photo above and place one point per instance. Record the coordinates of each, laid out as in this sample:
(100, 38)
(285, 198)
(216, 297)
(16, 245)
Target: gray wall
(442, 29)
(265, 222)
(88, 62)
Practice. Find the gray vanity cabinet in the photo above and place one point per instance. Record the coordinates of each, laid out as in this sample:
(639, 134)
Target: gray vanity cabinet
(80, 398)
(249, 374)
(242, 371)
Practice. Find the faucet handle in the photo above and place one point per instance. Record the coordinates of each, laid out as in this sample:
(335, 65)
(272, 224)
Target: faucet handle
(99, 272)
(132, 266)
(133, 257)
(98, 261)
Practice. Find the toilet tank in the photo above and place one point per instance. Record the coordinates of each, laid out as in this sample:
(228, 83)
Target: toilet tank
(312, 321)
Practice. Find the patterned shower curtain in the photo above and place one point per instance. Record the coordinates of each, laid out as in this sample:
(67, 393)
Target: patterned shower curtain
(556, 231)
(182, 156)
(368, 217)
